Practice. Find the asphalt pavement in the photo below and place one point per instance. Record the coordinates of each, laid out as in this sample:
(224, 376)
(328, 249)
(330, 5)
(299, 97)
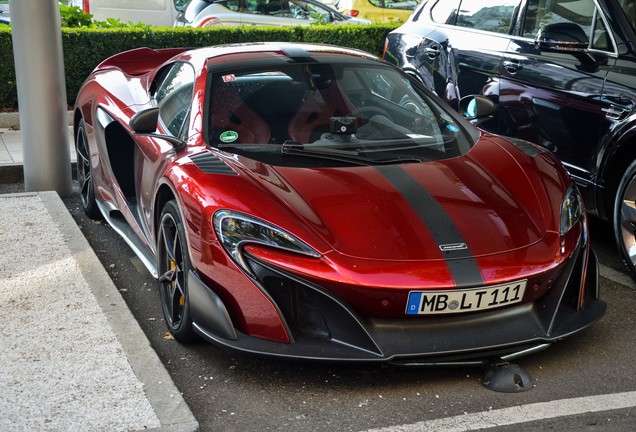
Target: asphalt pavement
(62, 368)
(73, 357)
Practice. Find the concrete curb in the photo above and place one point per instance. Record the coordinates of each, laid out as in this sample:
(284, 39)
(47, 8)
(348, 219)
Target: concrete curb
(15, 173)
(11, 120)
(12, 174)
(164, 397)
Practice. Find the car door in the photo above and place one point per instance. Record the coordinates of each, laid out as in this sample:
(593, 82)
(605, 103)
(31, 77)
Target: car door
(173, 96)
(463, 54)
(551, 89)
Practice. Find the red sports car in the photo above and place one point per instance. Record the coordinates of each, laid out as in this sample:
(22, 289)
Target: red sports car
(315, 202)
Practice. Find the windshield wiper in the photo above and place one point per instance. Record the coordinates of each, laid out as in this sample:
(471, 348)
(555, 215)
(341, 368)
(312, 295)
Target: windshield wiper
(222, 146)
(340, 155)
(349, 156)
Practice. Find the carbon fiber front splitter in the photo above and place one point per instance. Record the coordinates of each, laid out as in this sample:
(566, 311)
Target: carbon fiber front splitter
(324, 328)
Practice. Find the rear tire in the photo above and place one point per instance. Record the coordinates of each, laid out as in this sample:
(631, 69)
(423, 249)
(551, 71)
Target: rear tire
(625, 218)
(85, 173)
(173, 265)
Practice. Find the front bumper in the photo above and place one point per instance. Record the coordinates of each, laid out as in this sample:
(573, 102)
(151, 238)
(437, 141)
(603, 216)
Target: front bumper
(323, 327)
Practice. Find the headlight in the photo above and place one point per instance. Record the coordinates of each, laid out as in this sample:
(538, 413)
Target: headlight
(571, 209)
(236, 229)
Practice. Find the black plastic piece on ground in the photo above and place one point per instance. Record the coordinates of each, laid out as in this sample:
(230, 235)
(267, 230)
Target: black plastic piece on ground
(506, 377)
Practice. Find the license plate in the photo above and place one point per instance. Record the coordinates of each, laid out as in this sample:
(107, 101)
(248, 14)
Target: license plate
(456, 301)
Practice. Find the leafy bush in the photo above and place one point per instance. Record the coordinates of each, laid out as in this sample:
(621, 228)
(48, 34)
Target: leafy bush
(73, 16)
(84, 48)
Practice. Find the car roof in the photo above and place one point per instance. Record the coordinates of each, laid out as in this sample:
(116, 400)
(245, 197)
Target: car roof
(290, 50)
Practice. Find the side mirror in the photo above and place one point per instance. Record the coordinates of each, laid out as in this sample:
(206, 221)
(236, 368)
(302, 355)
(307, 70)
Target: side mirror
(179, 5)
(145, 122)
(476, 107)
(562, 37)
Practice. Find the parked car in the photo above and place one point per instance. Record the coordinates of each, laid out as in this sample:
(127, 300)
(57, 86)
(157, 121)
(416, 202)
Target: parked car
(315, 202)
(379, 11)
(561, 73)
(210, 13)
(5, 14)
(155, 12)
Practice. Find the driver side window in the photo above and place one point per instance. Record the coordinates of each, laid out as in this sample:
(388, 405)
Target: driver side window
(487, 15)
(174, 98)
(307, 11)
(580, 12)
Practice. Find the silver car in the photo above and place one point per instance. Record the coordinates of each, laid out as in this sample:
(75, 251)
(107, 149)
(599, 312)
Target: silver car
(209, 13)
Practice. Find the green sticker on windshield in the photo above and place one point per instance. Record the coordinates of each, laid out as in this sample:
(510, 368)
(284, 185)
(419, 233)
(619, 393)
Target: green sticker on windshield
(228, 136)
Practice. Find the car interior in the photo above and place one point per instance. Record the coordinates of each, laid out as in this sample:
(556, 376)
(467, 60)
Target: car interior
(279, 106)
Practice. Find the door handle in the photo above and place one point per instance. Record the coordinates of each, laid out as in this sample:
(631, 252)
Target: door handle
(614, 113)
(431, 52)
(512, 66)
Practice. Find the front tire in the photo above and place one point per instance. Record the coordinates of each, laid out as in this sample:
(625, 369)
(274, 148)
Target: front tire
(625, 218)
(173, 267)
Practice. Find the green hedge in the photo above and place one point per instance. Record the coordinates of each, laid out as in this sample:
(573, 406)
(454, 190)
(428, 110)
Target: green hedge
(86, 48)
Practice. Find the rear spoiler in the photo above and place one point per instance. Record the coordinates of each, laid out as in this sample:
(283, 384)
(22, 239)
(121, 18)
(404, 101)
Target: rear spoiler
(140, 60)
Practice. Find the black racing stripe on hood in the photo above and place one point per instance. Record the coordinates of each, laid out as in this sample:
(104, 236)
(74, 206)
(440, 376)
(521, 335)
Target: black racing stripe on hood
(460, 262)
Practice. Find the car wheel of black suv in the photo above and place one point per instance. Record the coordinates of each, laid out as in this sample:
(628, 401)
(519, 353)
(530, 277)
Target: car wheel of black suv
(625, 218)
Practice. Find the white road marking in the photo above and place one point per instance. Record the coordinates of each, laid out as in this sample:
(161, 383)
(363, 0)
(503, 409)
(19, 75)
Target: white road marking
(520, 414)
(615, 276)
(531, 412)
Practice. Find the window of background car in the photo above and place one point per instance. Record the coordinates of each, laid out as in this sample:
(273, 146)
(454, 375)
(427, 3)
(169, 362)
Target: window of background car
(445, 11)
(580, 12)
(391, 4)
(307, 11)
(255, 7)
(542, 12)
(601, 38)
(488, 15)
(267, 7)
(174, 97)
(629, 8)
(234, 5)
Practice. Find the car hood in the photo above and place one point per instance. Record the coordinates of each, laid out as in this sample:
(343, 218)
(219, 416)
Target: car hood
(482, 202)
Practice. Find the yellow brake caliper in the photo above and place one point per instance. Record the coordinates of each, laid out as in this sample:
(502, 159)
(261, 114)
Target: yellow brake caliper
(173, 266)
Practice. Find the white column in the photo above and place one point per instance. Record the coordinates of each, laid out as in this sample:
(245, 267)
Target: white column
(39, 69)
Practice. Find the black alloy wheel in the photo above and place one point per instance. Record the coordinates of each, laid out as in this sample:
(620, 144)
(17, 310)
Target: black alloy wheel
(173, 267)
(85, 174)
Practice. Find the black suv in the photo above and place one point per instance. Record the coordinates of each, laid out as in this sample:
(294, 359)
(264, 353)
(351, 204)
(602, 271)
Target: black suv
(561, 74)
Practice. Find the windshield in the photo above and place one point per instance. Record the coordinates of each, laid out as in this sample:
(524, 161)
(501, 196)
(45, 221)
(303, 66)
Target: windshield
(358, 112)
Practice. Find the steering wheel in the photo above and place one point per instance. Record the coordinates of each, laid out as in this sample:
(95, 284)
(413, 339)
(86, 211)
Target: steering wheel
(409, 104)
(367, 112)
(298, 13)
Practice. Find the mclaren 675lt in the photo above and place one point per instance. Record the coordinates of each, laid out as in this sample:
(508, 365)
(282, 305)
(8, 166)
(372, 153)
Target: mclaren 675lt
(312, 201)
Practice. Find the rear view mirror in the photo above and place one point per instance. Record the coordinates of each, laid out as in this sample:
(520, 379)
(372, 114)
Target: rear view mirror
(562, 37)
(476, 107)
(145, 122)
